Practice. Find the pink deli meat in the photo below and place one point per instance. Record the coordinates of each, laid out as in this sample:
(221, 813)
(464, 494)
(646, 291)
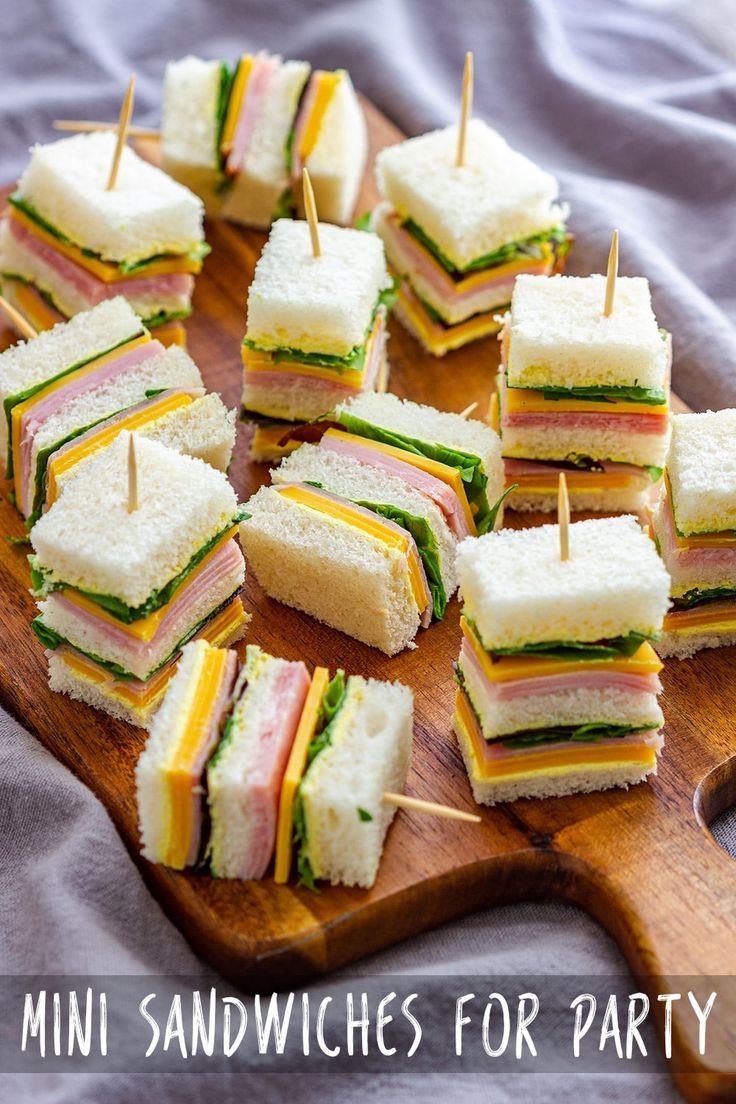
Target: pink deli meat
(259, 80)
(706, 559)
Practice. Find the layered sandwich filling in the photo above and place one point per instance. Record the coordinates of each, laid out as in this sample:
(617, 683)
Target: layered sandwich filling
(608, 440)
(310, 117)
(70, 278)
(557, 706)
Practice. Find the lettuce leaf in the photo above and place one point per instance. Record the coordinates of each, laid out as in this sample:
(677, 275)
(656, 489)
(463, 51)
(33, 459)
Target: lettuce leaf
(698, 596)
(53, 640)
(591, 733)
(526, 247)
(426, 543)
(198, 252)
(469, 466)
(574, 649)
(166, 316)
(633, 393)
(42, 585)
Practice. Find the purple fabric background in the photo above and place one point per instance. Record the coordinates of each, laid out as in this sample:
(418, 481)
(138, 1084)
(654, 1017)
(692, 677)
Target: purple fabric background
(635, 114)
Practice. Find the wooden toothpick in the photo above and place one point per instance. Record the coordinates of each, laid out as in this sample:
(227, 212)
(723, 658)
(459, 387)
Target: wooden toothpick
(563, 517)
(132, 476)
(123, 124)
(17, 319)
(468, 410)
(402, 801)
(611, 275)
(310, 208)
(88, 126)
(466, 106)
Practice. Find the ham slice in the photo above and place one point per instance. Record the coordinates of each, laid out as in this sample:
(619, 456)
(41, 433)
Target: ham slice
(428, 485)
(141, 655)
(94, 290)
(649, 424)
(79, 383)
(518, 470)
(680, 557)
(259, 80)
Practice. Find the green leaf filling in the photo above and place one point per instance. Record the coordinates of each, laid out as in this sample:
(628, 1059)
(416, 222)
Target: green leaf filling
(42, 584)
(591, 733)
(632, 393)
(698, 596)
(426, 543)
(525, 247)
(574, 649)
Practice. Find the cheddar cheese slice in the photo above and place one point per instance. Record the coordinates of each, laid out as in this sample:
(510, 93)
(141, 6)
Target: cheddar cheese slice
(519, 400)
(444, 472)
(237, 94)
(325, 85)
(373, 526)
(64, 461)
(716, 617)
(294, 772)
(645, 661)
(32, 304)
(442, 339)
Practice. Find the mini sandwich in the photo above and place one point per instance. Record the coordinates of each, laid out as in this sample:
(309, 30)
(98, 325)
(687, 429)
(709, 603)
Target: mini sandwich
(582, 393)
(557, 679)
(459, 236)
(240, 139)
(286, 765)
(695, 528)
(252, 727)
(74, 243)
(61, 404)
(122, 586)
(316, 332)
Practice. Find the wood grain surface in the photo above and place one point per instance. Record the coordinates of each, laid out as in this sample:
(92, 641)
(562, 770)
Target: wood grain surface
(642, 861)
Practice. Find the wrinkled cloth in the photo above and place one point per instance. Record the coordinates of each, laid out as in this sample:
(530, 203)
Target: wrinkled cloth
(633, 109)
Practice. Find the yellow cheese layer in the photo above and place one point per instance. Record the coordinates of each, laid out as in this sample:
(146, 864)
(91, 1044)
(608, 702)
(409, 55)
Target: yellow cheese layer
(440, 339)
(106, 271)
(589, 482)
(480, 277)
(702, 619)
(372, 526)
(145, 628)
(294, 771)
(256, 360)
(22, 408)
(541, 762)
(237, 94)
(519, 400)
(266, 439)
(644, 661)
(180, 778)
(34, 306)
(326, 83)
(104, 436)
(171, 333)
(444, 472)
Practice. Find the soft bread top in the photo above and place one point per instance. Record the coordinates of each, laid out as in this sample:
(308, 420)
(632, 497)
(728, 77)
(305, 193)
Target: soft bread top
(439, 427)
(317, 304)
(702, 471)
(498, 196)
(560, 336)
(518, 591)
(88, 333)
(189, 122)
(88, 539)
(146, 213)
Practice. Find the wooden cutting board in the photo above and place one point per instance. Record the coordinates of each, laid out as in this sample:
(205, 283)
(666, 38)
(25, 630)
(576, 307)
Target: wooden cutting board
(641, 861)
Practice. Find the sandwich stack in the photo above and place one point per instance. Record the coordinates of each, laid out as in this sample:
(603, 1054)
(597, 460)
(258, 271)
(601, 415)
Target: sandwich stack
(459, 234)
(289, 764)
(695, 528)
(583, 393)
(360, 530)
(240, 139)
(69, 241)
(316, 331)
(557, 679)
(134, 559)
(71, 390)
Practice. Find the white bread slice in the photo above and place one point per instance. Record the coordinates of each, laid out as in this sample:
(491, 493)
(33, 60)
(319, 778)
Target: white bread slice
(172, 367)
(205, 429)
(189, 127)
(554, 782)
(369, 754)
(31, 363)
(439, 427)
(253, 198)
(560, 337)
(144, 214)
(330, 570)
(316, 304)
(88, 538)
(337, 161)
(498, 196)
(631, 500)
(69, 298)
(349, 478)
(702, 471)
(684, 645)
(710, 568)
(554, 442)
(518, 591)
(292, 398)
